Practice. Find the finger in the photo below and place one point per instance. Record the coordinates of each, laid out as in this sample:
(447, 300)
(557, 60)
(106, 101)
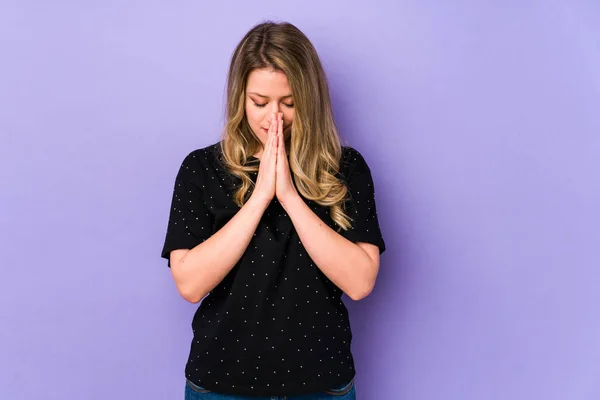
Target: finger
(274, 140)
(270, 128)
(281, 138)
(268, 142)
(274, 124)
(279, 124)
(270, 132)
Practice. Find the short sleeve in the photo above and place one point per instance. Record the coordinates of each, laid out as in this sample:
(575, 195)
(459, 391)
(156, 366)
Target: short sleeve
(190, 222)
(360, 205)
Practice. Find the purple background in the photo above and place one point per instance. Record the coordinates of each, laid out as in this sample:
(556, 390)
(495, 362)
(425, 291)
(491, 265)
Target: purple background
(481, 124)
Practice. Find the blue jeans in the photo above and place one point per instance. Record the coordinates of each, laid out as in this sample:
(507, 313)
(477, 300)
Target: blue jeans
(345, 392)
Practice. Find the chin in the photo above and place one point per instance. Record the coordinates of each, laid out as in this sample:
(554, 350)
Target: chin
(261, 136)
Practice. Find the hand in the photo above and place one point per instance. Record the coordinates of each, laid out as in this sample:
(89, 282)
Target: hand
(264, 189)
(284, 187)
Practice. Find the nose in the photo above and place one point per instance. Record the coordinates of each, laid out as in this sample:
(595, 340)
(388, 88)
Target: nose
(275, 107)
(274, 111)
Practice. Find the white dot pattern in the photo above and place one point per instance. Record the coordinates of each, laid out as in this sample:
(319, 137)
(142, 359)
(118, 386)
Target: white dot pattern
(275, 325)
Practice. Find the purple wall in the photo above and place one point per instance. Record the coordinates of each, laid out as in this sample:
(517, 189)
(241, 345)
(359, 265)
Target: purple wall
(481, 123)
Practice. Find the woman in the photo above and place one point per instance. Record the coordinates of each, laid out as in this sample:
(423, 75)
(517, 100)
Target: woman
(272, 224)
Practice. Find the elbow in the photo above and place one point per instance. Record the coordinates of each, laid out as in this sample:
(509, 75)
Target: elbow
(191, 297)
(361, 293)
(190, 293)
(186, 290)
(364, 288)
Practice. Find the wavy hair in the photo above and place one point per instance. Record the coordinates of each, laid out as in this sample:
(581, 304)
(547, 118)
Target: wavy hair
(315, 149)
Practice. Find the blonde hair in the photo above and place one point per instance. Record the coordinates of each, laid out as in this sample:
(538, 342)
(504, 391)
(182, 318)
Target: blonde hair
(314, 149)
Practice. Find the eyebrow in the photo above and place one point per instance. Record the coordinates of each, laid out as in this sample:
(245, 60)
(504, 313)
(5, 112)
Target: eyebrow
(266, 97)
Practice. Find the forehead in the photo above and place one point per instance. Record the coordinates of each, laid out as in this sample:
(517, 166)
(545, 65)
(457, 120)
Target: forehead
(268, 83)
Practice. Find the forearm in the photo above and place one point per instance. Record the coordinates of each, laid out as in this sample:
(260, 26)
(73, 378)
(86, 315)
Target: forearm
(345, 263)
(204, 267)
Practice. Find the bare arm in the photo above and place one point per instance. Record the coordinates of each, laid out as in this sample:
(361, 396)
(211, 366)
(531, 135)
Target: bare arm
(352, 267)
(197, 271)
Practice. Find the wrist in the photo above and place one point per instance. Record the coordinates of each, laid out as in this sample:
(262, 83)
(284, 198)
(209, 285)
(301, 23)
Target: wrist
(289, 200)
(258, 202)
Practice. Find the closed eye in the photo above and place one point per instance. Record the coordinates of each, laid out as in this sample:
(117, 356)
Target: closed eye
(263, 105)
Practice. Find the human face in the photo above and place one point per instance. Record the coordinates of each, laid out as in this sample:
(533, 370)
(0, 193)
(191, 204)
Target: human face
(268, 92)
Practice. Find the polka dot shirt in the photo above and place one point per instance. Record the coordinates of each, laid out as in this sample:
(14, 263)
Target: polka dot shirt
(275, 325)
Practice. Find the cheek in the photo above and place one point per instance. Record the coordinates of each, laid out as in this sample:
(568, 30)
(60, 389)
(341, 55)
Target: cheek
(288, 116)
(252, 115)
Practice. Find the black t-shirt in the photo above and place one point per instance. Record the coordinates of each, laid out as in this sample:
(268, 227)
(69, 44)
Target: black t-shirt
(275, 325)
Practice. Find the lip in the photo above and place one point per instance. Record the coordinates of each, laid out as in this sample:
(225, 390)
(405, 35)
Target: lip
(266, 130)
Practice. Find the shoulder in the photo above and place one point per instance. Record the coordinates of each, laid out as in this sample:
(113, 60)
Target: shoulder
(204, 156)
(352, 161)
(351, 155)
(199, 162)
